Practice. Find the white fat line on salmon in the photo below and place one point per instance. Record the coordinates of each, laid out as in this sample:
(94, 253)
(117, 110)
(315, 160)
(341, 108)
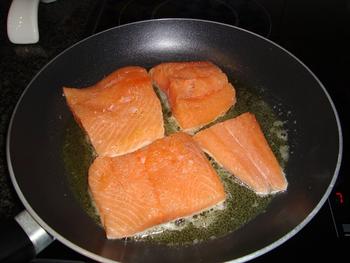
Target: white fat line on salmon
(232, 176)
(241, 183)
(261, 194)
(237, 180)
(250, 157)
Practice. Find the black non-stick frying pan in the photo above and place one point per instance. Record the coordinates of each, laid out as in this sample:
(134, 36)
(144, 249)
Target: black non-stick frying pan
(37, 129)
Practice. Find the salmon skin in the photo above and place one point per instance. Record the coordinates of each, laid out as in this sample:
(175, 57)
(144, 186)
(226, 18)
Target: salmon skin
(168, 179)
(198, 92)
(120, 113)
(239, 145)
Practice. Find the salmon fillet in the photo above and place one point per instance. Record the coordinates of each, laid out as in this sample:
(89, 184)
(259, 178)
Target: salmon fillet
(239, 145)
(121, 113)
(198, 92)
(168, 179)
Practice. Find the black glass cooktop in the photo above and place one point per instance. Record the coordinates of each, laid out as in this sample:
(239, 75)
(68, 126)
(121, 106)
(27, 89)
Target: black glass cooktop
(317, 32)
(247, 14)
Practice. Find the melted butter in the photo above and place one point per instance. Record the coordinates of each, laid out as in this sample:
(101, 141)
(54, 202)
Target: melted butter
(198, 220)
(241, 204)
(78, 155)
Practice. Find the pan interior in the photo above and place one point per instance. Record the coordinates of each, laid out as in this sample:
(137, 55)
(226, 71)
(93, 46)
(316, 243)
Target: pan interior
(241, 204)
(37, 133)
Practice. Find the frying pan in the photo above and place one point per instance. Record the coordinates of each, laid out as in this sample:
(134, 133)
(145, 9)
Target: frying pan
(37, 129)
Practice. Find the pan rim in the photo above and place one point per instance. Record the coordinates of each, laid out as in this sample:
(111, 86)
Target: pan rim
(250, 256)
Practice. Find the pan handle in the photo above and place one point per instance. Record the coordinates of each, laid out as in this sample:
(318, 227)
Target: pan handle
(22, 238)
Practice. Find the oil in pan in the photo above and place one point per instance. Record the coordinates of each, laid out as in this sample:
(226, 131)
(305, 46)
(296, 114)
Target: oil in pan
(241, 205)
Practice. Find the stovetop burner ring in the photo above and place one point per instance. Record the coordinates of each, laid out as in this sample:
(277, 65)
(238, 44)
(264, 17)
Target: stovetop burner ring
(247, 14)
(205, 14)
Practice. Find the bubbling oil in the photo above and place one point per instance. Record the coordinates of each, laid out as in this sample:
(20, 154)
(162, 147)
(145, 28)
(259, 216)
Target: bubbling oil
(241, 204)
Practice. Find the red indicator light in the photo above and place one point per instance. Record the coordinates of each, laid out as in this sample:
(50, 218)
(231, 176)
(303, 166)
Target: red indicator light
(340, 197)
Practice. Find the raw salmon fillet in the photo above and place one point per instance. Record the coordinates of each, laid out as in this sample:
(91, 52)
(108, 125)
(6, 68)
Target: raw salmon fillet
(168, 179)
(198, 92)
(120, 114)
(239, 145)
